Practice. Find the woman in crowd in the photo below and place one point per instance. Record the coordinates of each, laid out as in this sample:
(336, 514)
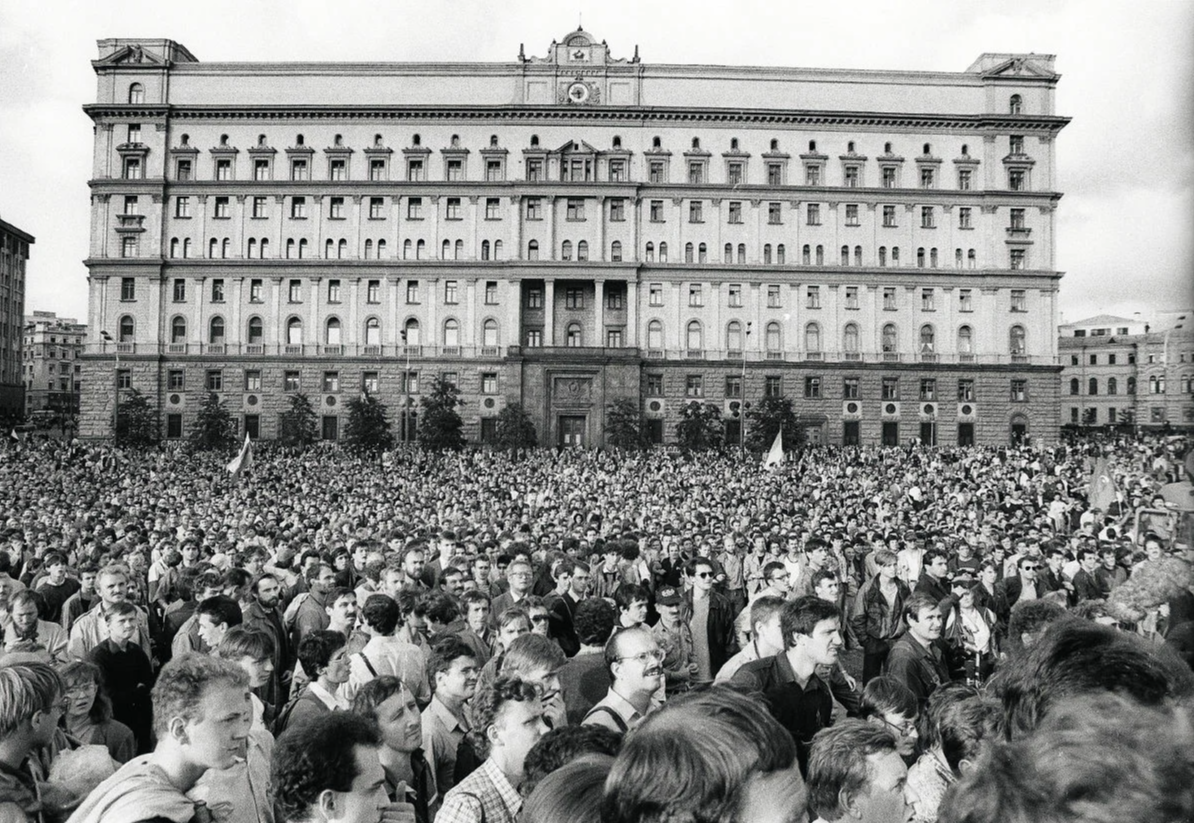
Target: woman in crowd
(88, 715)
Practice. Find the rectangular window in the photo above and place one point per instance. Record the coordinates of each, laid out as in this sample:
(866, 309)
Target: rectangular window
(889, 217)
(654, 385)
(964, 177)
(812, 387)
(493, 208)
(491, 293)
(336, 208)
(964, 218)
(259, 207)
(734, 293)
(124, 380)
(412, 291)
(617, 210)
(180, 290)
(655, 294)
(851, 297)
(215, 380)
(851, 214)
(534, 208)
(928, 389)
(454, 170)
(1111, 359)
(965, 300)
(889, 177)
(814, 214)
(373, 291)
(290, 381)
(966, 391)
(852, 177)
(890, 388)
(1019, 390)
(295, 294)
(1016, 259)
(574, 298)
(223, 169)
(331, 381)
(735, 214)
(850, 388)
(928, 301)
(252, 380)
(377, 208)
(370, 382)
(812, 175)
(614, 300)
(414, 208)
(1019, 300)
(450, 377)
(184, 170)
(889, 299)
(489, 383)
(773, 386)
(813, 297)
(452, 208)
(656, 211)
(173, 426)
(337, 170)
(575, 209)
(176, 380)
(734, 173)
(298, 208)
(774, 214)
(128, 289)
(377, 170)
(408, 382)
(534, 338)
(450, 292)
(414, 170)
(534, 298)
(1016, 180)
(733, 386)
(261, 169)
(928, 179)
(695, 212)
(182, 207)
(1015, 144)
(217, 290)
(617, 171)
(927, 221)
(695, 296)
(773, 297)
(255, 290)
(694, 386)
(333, 291)
(221, 212)
(613, 339)
(696, 172)
(1016, 219)
(494, 171)
(534, 170)
(299, 170)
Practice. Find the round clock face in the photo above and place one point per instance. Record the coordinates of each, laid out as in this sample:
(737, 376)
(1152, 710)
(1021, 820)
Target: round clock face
(578, 92)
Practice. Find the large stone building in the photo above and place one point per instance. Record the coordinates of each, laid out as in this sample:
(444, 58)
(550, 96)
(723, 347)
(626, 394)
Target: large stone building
(52, 369)
(569, 230)
(14, 252)
(1120, 372)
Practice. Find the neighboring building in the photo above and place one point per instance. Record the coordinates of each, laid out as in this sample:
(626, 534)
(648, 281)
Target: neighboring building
(52, 368)
(1119, 372)
(14, 252)
(565, 231)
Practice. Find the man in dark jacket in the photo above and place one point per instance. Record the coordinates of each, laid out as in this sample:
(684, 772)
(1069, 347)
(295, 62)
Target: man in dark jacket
(711, 618)
(932, 576)
(916, 659)
(876, 616)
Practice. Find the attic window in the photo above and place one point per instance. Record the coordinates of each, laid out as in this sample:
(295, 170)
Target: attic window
(656, 143)
(928, 150)
(261, 139)
(696, 142)
(812, 145)
(534, 141)
(455, 143)
(223, 140)
(377, 142)
(965, 150)
(887, 148)
(416, 140)
(775, 144)
(338, 140)
(493, 141)
(617, 142)
(1015, 104)
(733, 144)
(298, 140)
(184, 140)
(850, 147)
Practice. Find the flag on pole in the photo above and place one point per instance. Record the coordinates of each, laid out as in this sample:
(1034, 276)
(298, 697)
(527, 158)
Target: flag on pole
(776, 455)
(1102, 491)
(14, 436)
(242, 461)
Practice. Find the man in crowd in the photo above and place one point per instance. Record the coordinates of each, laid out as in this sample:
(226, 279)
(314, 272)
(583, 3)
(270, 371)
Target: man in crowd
(876, 618)
(856, 774)
(410, 777)
(453, 670)
(710, 617)
(312, 613)
(1025, 585)
(264, 615)
(765, 640)
(31, 698)
(933, 576)
(916, 659)
(92, 628)
(24, 627)
(520, 575)
(635, 665)
(56, 588)
(584, 677)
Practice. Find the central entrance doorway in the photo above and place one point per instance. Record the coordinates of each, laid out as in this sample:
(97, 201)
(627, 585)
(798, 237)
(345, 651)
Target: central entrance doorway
(572, 430)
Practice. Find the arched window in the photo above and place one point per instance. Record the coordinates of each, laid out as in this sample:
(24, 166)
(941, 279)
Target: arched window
(533, 250)
(773, 337)
(734, 336)
(663, 252)
(957, 258)
(572, 336)
(615, 251)
(290, 248)
(186, 248)
(695, 338)
(410, 332)
(534, 141)
(489, 333)
(256, 334)
(332, 333)
(178, 330)
(497, 249)
(329, 249)
(1092, 387)
(858, 255)
(928, 150)
(733, 144)
(812, 145)
(406, 249)
(888, 340)
(845, 255)
(300, 141)
(136, 94)
(420, 249)
(1131, 385)
(484, 249)
(887, 148)
(265, 248)
(850, 338)
(1015, 104)
(368, 249)
(741, 253)
(617, 144)
(727, 254)
(971, 259)
(655, 334)
(895, 256)
(774, 144)
(1112, 386)
(372, 332)
(446, 250)
(215, 332)
(806, 255)
(883, 256)
(303, 248)
(820, 255)
(213, 246)
(125, 331)
(920, 258)
(928, 339)
(656, 143)
(174, 247)
(342, 250)
(1075, 385)
(812, 337)
(696, 142)
(766, 254)
(582, 250)
(294, 332)
(566, 250)
(649, 253)
(779, 254)
(252, 247)
(688, 252)
(1015, 340)
(965, 340)
(458, 250)
(702, 253)
(451, 332)
(933, 258)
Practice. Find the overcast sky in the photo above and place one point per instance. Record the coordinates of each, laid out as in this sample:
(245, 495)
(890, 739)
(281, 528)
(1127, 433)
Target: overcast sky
(1125, 162)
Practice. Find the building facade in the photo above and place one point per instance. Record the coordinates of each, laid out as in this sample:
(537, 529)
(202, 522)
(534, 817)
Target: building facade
(14, 253)
(1117, 372)
(569, 230)
(52, 369)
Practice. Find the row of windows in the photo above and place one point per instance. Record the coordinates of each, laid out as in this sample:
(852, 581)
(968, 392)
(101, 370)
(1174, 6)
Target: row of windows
(330, 382)
(1156, 385)
(817, 387)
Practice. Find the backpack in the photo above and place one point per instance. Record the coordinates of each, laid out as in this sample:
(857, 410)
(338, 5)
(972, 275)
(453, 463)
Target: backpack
(283, 718)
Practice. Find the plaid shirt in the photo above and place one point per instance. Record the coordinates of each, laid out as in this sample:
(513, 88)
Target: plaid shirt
(485, 795)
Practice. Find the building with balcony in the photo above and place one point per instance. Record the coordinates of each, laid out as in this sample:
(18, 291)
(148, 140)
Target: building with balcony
(14, 252)
(567, 230)
(52, 368)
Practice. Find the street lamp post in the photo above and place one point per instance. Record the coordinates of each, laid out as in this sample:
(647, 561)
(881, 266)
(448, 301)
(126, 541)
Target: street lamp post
(742, 425)
(115, 397)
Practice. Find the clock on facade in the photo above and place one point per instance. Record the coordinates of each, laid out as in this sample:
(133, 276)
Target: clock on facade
(578, 92)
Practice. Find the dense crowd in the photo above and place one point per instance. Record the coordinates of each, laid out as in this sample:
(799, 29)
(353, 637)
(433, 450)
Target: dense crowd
(953, 634)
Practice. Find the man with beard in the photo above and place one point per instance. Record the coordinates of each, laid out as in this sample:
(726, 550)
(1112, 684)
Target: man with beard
(264, 615)
(635, 664)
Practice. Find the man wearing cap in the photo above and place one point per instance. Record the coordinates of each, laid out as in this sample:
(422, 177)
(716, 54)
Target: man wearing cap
(674, 637)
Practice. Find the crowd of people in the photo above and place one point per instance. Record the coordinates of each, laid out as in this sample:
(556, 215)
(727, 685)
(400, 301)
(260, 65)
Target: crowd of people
(932, 634)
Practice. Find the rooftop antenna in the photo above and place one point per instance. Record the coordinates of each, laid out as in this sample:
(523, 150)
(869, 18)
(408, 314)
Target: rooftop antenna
(580, 19)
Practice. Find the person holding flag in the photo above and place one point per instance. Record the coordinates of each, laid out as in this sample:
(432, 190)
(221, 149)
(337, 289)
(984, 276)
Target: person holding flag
(244, 460)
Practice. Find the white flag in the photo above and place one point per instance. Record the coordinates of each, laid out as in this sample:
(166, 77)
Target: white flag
(242, 461)
(776, 455)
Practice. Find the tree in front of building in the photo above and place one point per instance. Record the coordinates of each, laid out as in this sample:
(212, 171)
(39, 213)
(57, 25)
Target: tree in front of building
(299, 424)
(763, 420)
(367, 430)
(440, 426)
(514, 429)
(136, 421)
(700, 427)
(213, 427)
(624, 425)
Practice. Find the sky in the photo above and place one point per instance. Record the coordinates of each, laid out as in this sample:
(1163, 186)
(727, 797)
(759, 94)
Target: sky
(1125, 164)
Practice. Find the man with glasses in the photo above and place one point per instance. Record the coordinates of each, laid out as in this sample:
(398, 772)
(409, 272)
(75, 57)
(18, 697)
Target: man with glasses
(635, 664)
(520, 576)
(1025, 585)
(711, 619)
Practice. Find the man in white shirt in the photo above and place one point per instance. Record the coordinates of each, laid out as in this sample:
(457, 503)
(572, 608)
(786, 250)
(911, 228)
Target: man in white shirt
(635, 664)
(767, 638)
(385, 654)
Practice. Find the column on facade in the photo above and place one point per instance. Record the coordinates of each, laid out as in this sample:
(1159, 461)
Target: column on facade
(395, 219)
(600, 253)
(550, 203)
(315, 335)
(794, 319)
(432, 335)
(946, 336)
(358, 228)
(599, 312)
(512, 335)
(677, 336)
(516, 230)
(632, 314)
(756, 313)
(354, 335)
(677, 251)
(549, 312)
(474, 252)
(317, 216)
(277, 331)
(714, 336)
(636, 232)
(234, 333)
(470, 312)
(280, 202)
(987, 344)
(394, 322)
(202, 202)
(200, 317)
(238, 232)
